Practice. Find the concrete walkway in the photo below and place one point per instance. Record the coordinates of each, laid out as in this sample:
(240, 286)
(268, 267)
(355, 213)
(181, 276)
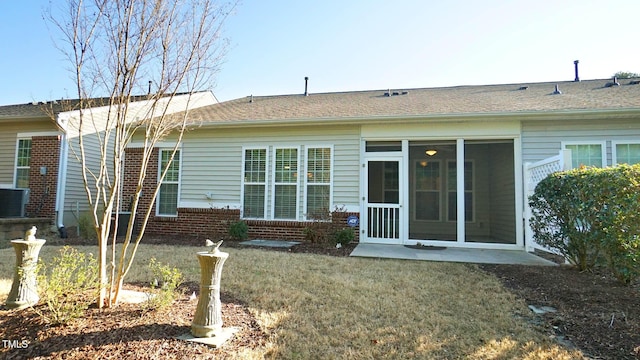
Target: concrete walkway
(481, 256)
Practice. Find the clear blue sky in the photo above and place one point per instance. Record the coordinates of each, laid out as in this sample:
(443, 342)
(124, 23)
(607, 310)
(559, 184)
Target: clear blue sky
(345, 45)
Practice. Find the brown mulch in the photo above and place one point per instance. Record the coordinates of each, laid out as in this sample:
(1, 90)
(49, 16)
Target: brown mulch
(594, 313)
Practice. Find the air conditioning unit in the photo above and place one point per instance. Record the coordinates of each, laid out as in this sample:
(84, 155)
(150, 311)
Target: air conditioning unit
(13, 202)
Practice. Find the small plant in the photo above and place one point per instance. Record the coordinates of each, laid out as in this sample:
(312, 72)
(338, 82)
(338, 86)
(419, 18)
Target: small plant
(68, 285)
(239, 230)
(86, 226)
(164, 285)
(343, 236)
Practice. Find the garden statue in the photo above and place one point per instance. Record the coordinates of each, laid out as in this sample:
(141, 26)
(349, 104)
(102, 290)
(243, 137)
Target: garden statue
(207, 320)
(24, 289)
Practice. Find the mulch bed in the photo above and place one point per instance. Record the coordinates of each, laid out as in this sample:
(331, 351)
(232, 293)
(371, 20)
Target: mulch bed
(594, 313)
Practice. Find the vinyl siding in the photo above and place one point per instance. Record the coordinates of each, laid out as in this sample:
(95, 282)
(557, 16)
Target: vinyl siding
(543, 139)
(212, 162)
(8, 136)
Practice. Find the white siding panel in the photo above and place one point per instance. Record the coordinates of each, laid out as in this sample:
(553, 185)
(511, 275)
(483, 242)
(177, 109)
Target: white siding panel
(212, 160)
(542, 139)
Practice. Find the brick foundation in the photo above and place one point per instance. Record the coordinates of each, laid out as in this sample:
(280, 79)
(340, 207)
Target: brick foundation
(45, 152)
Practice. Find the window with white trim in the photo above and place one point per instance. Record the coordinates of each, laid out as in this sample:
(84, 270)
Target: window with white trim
(586, 154)
(626, 152)
(285, 183)
(428, 190)
(254, 183)
(318, 188)
(23, 163)
(167, 204)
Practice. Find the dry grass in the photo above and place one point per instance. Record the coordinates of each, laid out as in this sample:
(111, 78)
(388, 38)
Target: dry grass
(328, 307)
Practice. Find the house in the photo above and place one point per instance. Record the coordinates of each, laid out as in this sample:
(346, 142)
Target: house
(38, 146)
(439, 166)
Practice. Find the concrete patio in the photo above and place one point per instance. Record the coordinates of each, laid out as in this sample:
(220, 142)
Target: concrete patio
(451, 254)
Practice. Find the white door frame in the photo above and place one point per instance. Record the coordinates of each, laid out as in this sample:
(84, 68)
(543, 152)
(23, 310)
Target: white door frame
(391, 227)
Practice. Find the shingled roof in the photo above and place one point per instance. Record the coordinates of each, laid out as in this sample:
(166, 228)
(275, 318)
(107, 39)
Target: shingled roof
(429, 102)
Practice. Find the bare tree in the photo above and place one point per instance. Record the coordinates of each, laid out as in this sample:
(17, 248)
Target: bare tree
(118, 50)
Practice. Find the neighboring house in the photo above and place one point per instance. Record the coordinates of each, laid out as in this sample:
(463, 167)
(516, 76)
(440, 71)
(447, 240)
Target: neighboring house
(439, 166)
(38, 142)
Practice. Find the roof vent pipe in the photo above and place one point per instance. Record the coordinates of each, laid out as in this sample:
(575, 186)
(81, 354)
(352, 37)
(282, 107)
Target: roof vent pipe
(306, 84)
(575, 63)
(149, 92)
(557, 91)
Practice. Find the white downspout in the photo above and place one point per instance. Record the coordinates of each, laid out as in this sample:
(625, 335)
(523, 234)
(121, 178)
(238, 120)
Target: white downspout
(62, 173)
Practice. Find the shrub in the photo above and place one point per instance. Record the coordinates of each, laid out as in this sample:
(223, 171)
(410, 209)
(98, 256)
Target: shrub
(86, 226)
(591, 215)
(343, 236)
(68, 285)
(239, 230)
(164, 285)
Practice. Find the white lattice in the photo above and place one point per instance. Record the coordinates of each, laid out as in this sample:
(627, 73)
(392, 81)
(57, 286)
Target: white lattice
(539, 172)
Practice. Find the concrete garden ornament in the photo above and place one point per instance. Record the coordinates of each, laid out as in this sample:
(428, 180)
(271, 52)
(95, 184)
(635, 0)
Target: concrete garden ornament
(207, 320)
(24, 289)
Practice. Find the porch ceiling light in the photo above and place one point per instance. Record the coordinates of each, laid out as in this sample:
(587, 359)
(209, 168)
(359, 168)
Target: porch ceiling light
(431, 152)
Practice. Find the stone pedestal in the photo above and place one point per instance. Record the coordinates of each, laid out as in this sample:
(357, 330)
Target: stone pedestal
(207, 320)
(24, 289)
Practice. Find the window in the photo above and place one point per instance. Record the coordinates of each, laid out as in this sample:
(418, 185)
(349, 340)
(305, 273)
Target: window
(285, 187)
(626, 153)
(168, 195)
(318, 182)
(586, 154)
(254, 183)
(427, 180)
(452, 193)
(23, 162)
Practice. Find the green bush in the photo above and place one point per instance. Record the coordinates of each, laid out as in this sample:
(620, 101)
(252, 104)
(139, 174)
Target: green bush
(68, 285)
(343, 236)
(591, 215)
(86, 226)
(239, 230)
(166, 281)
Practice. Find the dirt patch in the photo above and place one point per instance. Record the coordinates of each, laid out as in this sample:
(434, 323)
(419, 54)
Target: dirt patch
(595, 313)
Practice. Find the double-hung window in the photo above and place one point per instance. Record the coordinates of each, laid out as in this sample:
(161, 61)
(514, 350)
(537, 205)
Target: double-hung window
(254, 183)
(586, 154)
(23, 163)
(625, 152)
(285, 184)
(169, 188)
(273, 187)
(318, 182)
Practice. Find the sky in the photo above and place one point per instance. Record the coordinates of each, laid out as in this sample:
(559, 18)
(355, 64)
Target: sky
(350, 45)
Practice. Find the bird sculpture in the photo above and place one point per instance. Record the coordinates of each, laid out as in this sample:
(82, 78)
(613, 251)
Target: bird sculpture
(214, 246)
(30, 235)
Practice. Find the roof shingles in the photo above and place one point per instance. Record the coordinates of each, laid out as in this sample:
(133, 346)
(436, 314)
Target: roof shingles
(510, 98)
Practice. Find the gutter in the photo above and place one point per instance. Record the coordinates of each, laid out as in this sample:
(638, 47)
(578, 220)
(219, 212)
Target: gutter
(62, 177)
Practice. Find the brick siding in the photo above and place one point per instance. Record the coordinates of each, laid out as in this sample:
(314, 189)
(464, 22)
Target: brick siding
(45, 152)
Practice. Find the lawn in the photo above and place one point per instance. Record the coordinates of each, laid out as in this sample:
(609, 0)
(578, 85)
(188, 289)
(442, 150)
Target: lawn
(315, 306)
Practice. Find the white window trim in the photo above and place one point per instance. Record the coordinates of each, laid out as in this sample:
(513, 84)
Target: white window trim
(15, 160)
(306, 180)
(274, 184)
(266, 180)
(614, 152)
(160, 150)
(603, 148)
